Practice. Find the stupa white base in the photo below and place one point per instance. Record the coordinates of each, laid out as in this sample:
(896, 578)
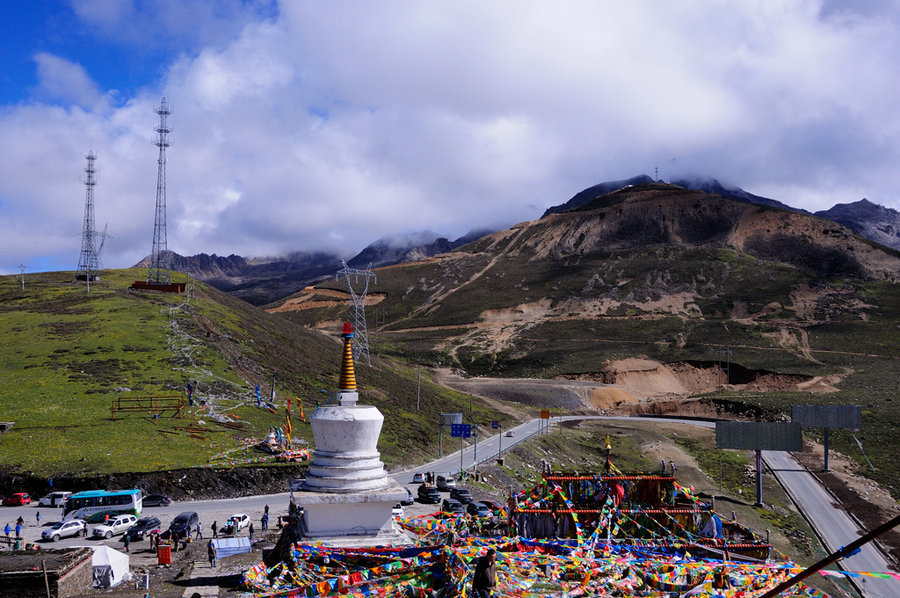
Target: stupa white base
(366, 513)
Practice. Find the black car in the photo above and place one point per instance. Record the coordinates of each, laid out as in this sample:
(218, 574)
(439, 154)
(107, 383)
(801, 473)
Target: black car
(409, 498)
(184, 524)
(429, 494)
(142, 528)
(461, 494)
(479, 509)
(156, 500)
(451, 505)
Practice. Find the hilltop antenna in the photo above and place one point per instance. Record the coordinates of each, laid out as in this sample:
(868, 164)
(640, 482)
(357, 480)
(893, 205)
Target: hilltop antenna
(361, 336)
(159, 260)
(89, 259)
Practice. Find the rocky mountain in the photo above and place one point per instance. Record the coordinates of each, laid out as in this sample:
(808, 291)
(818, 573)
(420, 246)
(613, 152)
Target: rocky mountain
(697, 183)
(654, 270)
(870, 220)
(260, 281)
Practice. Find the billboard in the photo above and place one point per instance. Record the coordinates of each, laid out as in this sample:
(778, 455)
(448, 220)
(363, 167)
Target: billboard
(448, 419)
(827, 416)
(759, 436)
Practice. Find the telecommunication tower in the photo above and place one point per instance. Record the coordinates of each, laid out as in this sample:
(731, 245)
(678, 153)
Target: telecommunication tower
(361, 338)
(89, 260)
(159, 258)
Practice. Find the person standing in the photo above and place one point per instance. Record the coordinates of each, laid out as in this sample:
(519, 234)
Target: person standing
(211, 553)
(6, 531)
(251, 532)
(18, 530)
(264, 520)
(126, 541)
(215, 529)
(38, 517)
(485, 578)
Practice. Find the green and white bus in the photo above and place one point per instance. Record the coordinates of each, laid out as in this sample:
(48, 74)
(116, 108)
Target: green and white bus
(93, 505)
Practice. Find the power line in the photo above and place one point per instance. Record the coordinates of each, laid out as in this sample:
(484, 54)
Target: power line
(361, 336)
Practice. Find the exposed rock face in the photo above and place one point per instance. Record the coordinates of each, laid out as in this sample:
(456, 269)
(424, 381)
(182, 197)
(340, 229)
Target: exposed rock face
(870, 220)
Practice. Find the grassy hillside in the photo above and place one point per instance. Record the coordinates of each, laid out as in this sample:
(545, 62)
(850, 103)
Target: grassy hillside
(68, 354)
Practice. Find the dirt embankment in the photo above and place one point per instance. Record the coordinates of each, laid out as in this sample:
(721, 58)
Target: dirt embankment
(180, 484)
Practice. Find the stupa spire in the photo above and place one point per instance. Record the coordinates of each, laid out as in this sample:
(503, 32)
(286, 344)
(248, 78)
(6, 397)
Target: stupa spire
(347, 394)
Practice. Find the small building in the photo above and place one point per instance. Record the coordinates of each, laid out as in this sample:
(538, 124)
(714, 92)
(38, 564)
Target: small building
(37, 574)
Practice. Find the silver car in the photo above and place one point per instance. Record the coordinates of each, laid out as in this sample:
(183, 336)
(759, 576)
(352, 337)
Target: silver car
(64, 529)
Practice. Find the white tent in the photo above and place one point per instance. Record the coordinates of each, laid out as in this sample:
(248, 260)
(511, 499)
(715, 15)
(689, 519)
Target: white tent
(111, 567)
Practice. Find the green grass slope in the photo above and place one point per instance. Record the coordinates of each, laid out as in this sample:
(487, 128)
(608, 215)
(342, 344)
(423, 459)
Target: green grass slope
(69, 353)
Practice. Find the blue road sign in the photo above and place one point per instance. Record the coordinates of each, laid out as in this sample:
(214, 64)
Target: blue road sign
(495, 425)
(461, 430)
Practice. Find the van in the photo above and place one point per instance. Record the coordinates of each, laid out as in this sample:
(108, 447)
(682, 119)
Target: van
(55, 499)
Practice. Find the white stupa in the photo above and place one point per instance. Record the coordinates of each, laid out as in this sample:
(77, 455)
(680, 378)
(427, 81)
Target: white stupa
(347, 491)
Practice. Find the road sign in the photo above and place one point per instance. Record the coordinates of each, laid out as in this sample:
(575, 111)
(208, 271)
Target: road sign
(827, 416)
(545, 414)
(495, 425)
(461, 430)
(764, 436)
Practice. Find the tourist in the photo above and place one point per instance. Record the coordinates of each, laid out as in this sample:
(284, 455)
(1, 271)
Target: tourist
(18, 530)
(38, 517)
(484, 580)
(264, 521)
(7, 530)
(211, 553)
(199, 531)
(215, 529)
(251, 532)
(126, 541)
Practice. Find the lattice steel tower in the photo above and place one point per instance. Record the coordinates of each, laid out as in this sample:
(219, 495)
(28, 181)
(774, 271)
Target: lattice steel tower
(89, 260)
(361, 338)
(159, 258)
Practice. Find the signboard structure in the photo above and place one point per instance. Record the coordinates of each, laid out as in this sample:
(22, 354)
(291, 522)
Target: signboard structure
(446, 419)
(462, 431)
(759, 436)
(848, 417)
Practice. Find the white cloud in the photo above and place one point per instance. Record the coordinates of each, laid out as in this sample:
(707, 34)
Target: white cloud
(330, 125)
(63, 81)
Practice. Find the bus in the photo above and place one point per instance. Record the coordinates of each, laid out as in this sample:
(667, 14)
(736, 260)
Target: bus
(94, 505)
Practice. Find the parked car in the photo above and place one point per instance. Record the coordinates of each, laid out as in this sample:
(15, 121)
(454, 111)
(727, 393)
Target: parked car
(115, 526)
(64, 529)
(494, 506)
(451, 505)
(157, 500)
(409, 498)
(461, 494)
(55, 499)
(143, 527)
(418, 478)
(397, 511)
(429, 494)
(17, 499)
(479, 509)
(444, 483)
(183, 524)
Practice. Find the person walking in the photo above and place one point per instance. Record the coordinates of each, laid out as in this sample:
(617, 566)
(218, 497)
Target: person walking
(126, 541)
(6, 530)
(485, 577)
(18, 530)
(215, 529)
(211, 553)
(199, 531)
(38, 517)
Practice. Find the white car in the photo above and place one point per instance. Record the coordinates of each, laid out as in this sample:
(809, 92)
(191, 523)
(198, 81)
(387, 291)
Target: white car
(239, 521)
(115, 526)
(64, 529)
(397, 511)
(54, 499)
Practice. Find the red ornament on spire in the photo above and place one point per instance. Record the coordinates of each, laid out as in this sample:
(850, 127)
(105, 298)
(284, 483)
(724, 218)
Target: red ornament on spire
(347, 329)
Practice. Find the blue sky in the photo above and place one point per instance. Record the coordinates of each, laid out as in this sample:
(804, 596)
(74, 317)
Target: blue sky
(303, 125)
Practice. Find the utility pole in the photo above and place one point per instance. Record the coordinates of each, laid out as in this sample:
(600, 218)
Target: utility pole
(419, 390)
(22, 270)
